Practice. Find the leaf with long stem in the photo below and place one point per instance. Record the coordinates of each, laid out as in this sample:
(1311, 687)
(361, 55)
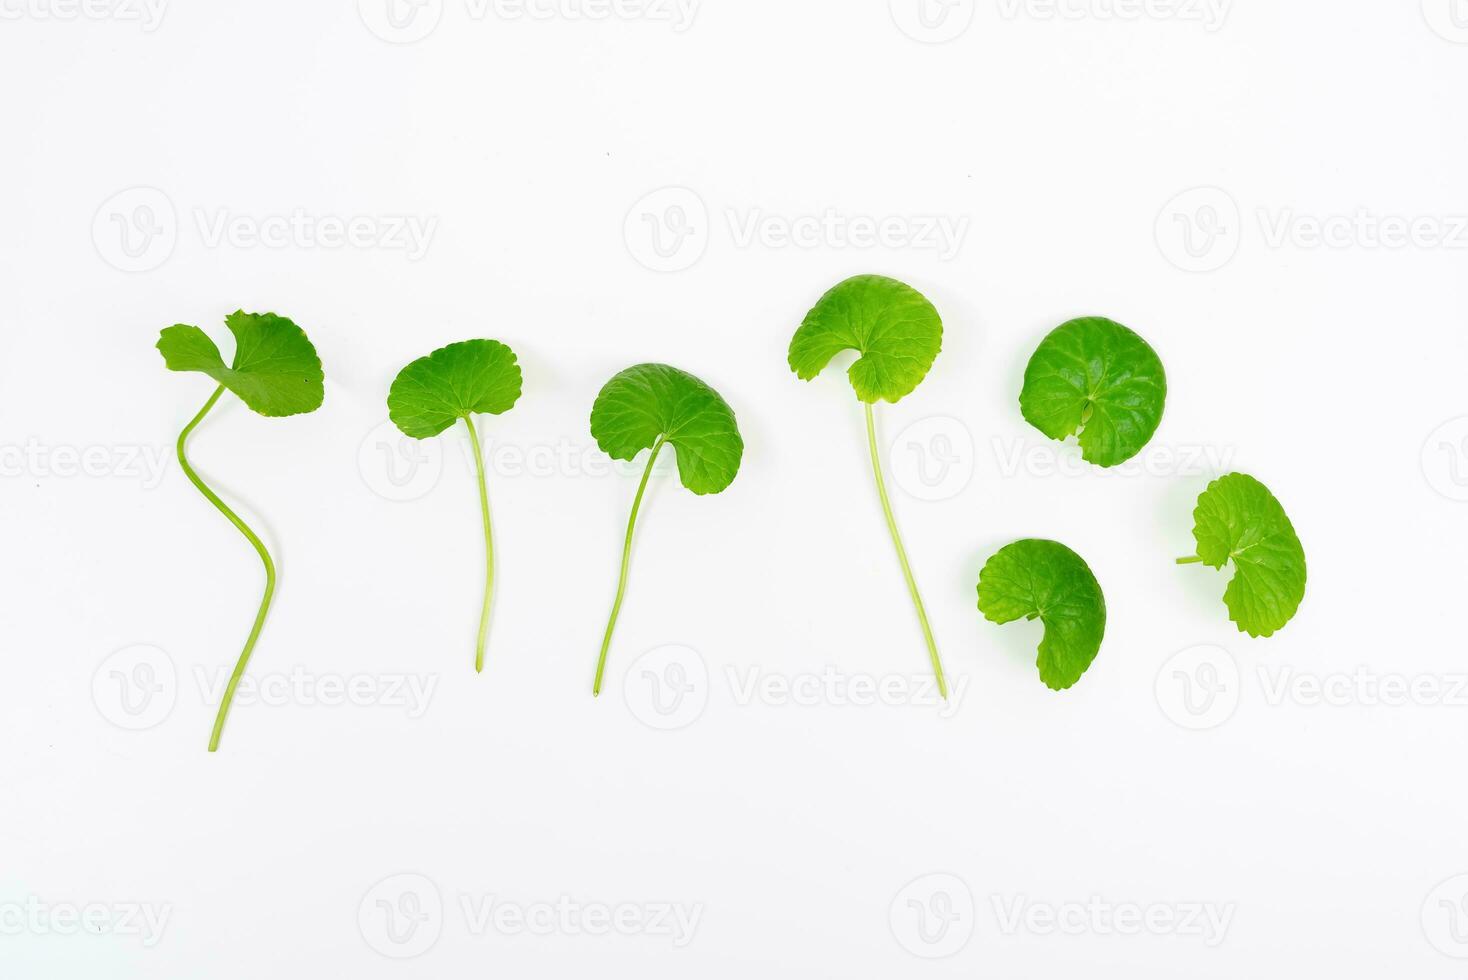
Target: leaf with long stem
(898, 335)
(645, 407)
(459, 381)
(276, 373)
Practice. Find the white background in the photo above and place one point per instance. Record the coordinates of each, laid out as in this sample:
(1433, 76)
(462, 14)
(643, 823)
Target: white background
(1327, 831)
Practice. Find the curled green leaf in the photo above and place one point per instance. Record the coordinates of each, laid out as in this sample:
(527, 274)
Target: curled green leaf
(275, 370)
(893, 326)
(648, 406)
(1045, 580)
(1237, 519)
(898, 334)
(1095, 377)
(472, 377)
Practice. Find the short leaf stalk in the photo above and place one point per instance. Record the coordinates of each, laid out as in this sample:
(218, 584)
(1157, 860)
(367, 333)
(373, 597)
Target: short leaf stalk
(601, 663)
(1190, 560)
(488, 548)
(912, 588)
(259, 546)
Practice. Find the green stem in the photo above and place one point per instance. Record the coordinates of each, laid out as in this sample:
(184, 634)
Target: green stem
(1193, 560)
(601, 663)
(488, 548)
(912, 588)
(213, 498)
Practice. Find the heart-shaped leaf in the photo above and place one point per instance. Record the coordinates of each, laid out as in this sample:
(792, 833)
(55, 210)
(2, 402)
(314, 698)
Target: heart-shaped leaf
(1095, 376)
(648, 402)
(275, 372)
(893, 326)
(1237, 519)
(1045, 580)
(473, 377)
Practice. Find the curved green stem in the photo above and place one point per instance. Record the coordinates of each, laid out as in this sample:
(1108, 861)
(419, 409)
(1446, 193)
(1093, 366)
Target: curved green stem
(488, 548)
(1191, 560)
(912, 588)
(601, 663)
(213, 498)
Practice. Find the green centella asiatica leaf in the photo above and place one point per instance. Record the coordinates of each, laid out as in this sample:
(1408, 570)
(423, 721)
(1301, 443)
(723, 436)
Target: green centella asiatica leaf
(1237, 519)
(649, 404)
(1045, 580)
(457, 382)
(897, 334)
(275, 370)
(1095, 376)
(892, 326)
(473, 377)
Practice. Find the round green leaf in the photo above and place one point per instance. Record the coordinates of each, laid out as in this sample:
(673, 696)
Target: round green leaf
(1045, 580)
(648, 401)
(1238, 519)
(473, 377)
(893, 326)
(1096, 376)
(275, 372)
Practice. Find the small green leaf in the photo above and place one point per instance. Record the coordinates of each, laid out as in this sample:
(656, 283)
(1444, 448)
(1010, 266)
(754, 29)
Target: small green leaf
(649, 401)
(1238, 519)
(474, 377)
(1096, 376)
(893, 326)
(275, 372)
(1045, 580)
